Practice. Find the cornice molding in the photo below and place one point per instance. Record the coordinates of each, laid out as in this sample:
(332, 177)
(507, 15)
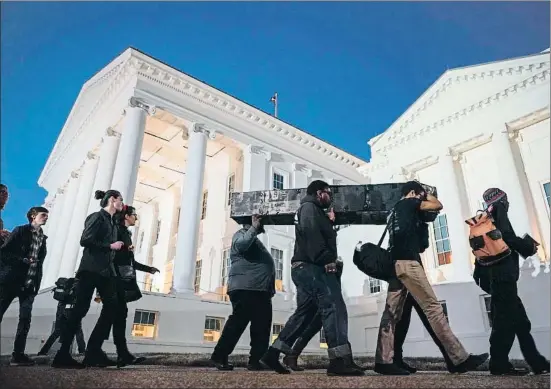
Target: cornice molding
(302, 168)
(450, 78)
(436, 126)
(462, 147)
(528, 120)
(420, 164)
(185, 85)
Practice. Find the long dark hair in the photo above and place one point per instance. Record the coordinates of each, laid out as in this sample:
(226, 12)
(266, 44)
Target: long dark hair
(120, 216)
(105, 196)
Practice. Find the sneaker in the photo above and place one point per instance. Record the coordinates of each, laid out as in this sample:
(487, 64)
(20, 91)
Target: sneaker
(20, 359)
(291, 362)
(389, 369)
(473, 362)
(65, 361)
(340, 367)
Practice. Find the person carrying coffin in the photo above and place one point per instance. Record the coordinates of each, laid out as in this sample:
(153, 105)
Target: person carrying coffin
(96, 271)
(21, 261)
(251, 287)
(499, 279)
(313, 271)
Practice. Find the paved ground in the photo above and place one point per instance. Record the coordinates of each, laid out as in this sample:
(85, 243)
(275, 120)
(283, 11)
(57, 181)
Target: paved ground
(186, 377)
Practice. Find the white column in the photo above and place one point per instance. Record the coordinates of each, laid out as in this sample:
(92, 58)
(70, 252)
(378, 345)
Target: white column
(190, 203)
(76, 225)
(55, 208)
(449, 193)
(63, 227)
(519, 211)
(130, 149)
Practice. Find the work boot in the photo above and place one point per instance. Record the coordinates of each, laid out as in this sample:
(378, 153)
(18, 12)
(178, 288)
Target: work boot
(20, 359)
(342, 367)
(221, 363)
(544, 369)
(403, 365)
(349, 361)
(472, 362)
(256, 366)
(389, 369)
(271, 359)
(65, 361)
(291, 361)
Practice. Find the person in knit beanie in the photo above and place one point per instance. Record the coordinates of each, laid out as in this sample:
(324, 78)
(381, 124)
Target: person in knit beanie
(508, 316)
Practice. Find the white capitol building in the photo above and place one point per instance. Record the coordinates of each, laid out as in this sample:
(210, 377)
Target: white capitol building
(169, 142)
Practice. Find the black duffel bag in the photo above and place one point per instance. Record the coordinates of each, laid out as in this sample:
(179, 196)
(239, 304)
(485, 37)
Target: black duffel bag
(374, 260)
(64, 290)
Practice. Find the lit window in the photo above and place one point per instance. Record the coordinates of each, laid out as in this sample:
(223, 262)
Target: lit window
(277, 255)
(488, 308)
(323, 341)
(445, 309)
(145, 324)
(231, 187)
(204, 204)
(276, 330)
(197, 281)
(226, 263)
(547, 192)
(213, 328)
(374, 285)
(442, 240)
(278, 181)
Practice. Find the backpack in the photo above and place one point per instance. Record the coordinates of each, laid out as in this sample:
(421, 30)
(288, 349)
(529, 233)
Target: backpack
(374, 260)
(64, 290)
(485, 239)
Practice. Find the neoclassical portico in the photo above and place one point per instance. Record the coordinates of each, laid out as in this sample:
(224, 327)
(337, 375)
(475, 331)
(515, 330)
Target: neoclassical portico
(149, 138)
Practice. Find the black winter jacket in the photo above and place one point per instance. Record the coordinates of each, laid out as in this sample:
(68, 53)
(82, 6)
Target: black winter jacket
(315, 238)
(99, 232)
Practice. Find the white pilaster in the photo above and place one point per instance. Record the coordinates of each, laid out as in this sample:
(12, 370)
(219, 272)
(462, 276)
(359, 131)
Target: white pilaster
(190, 203)
(301, 174)
(511, 183)
(76, 225)
(255, 169)
(63, 228)
(449, 193)
(55, 209)
(128, 158)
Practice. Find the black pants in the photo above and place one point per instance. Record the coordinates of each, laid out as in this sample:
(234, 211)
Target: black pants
(106, 321)
(317, 290)
(107, 288)
(8, 293)
(509, 318)
(402, 328)
(60, 322)
(248, 307)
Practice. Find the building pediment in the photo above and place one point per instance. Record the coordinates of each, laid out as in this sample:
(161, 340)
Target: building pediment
(460, 92)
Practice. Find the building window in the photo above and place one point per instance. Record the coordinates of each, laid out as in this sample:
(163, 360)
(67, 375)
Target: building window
(278, 181)
(226, 263)
(197, 281)
(442, 240)
(488, 308)
(277, 255)
(323, 341)
(157, 231)
(231, 187)
(213, 328)
(375, 285)
(445, 309)
(276, 329)
(204, 204)
(145, 324)
(547, 193)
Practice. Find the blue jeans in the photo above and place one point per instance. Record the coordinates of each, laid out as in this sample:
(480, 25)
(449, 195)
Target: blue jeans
(317, 290)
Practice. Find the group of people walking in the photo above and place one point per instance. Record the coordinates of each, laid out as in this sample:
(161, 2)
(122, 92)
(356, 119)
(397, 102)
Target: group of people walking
(108, 267)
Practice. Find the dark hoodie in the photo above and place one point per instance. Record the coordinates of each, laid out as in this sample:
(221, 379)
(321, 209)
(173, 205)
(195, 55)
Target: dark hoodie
(315, 238)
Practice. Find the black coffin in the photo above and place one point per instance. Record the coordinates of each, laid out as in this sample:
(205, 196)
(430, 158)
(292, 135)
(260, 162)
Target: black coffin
(353, 204)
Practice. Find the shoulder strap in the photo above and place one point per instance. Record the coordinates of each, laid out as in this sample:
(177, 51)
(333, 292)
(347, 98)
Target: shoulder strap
(390, 219)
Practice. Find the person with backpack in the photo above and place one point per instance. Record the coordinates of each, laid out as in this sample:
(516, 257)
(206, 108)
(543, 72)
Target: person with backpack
(65, 304)
(497, 248)
(21, 261)
(411, 278)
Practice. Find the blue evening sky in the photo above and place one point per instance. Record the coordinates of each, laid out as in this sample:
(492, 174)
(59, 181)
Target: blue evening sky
(344, 71)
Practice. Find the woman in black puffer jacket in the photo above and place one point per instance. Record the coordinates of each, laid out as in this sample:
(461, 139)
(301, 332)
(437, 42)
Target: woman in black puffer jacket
(125, 267)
